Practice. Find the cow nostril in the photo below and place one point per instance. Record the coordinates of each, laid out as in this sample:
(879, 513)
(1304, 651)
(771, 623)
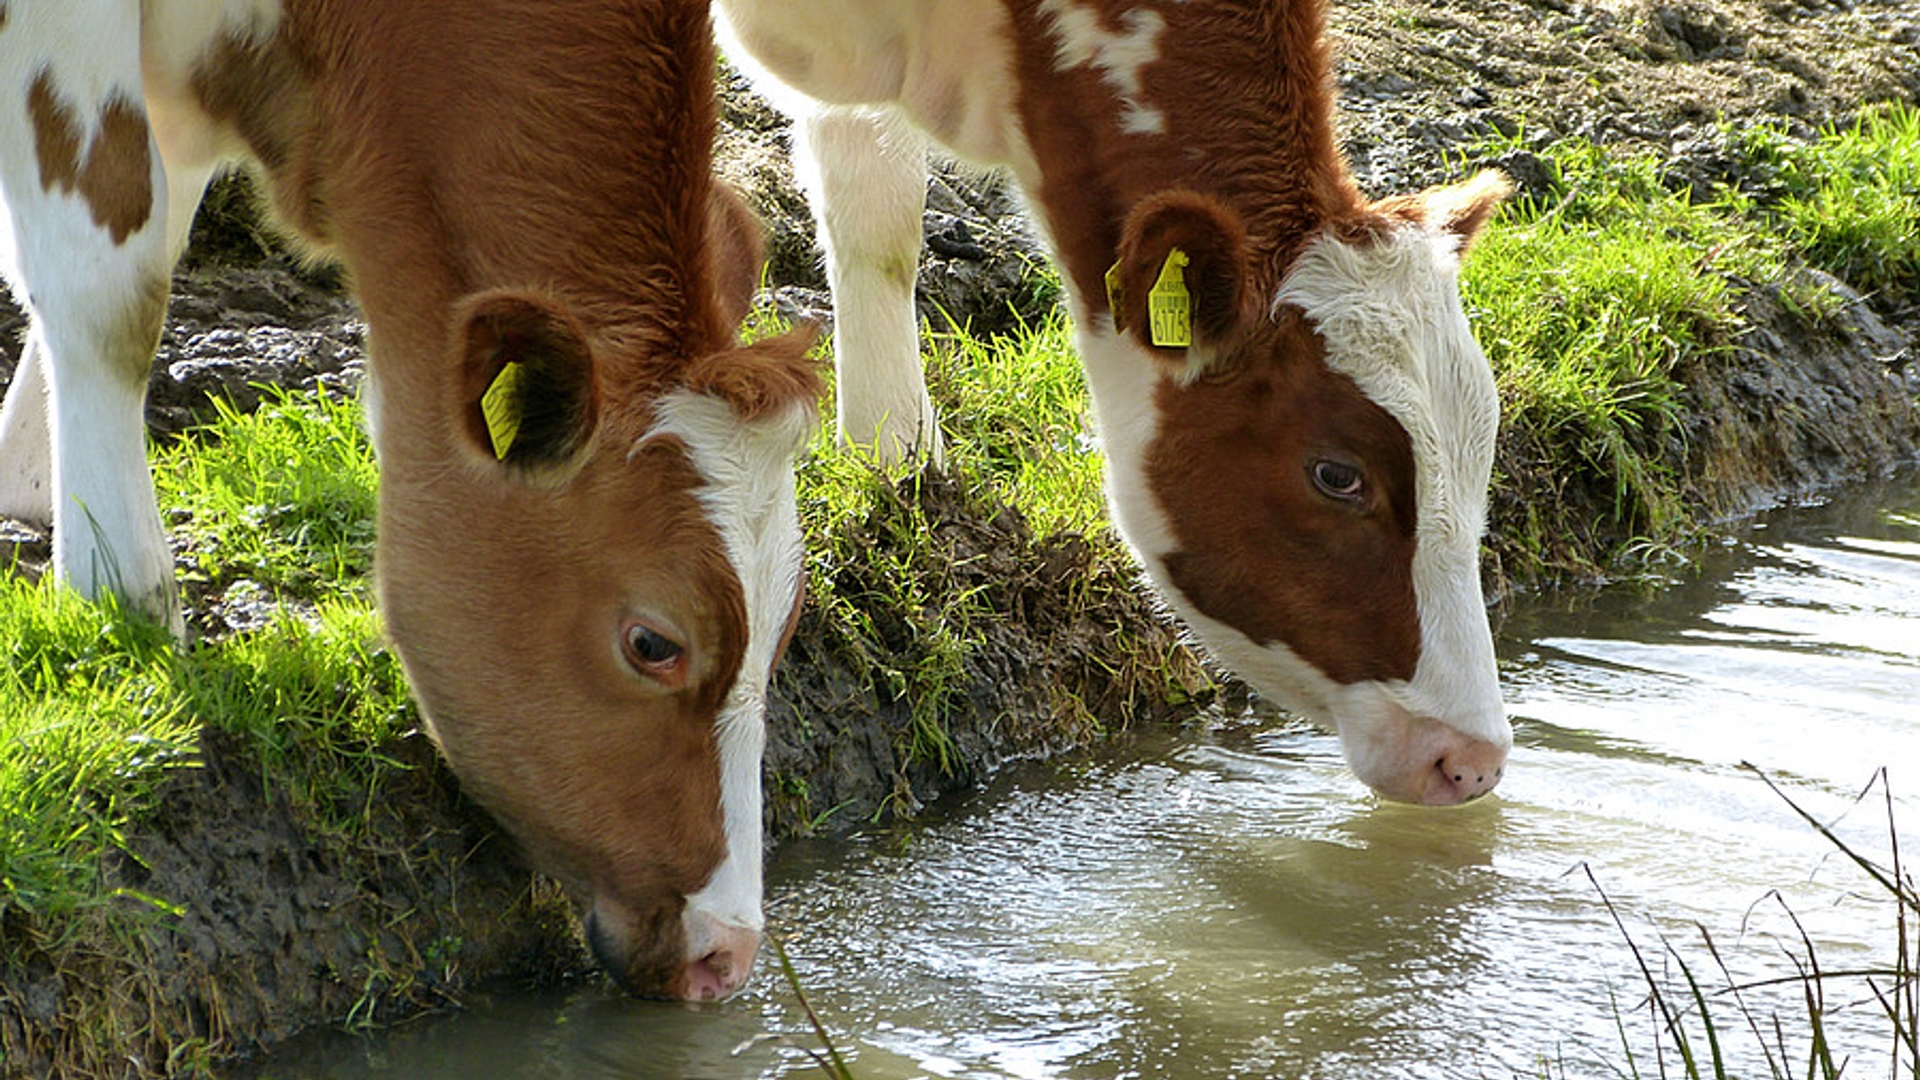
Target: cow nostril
(723, 968)
(709, 978)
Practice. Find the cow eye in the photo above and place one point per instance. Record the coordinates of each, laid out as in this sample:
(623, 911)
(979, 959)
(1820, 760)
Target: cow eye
(1338, 479)
(652, 653)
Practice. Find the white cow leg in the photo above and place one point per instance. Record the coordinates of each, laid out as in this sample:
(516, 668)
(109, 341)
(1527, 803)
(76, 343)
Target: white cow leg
(865, 171)
(87, 253)
(26, 446)
(106, 528)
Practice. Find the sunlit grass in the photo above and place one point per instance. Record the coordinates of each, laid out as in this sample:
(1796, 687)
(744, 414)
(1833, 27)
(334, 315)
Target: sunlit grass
(1590, 297)
(890, 597)
(884, 595)
(1016, 411)
(98, 708)
(1849, 200)
(283, 496)
(1586, 301)
(85, 737)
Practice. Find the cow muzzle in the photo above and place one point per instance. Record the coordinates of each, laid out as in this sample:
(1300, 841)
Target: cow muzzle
(1417, 759)
(665, 955)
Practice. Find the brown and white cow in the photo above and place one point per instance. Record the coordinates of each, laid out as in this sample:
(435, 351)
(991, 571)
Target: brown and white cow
(1302, 470)
(588, 550)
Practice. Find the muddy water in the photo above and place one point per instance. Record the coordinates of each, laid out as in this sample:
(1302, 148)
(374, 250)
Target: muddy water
(1228, 902)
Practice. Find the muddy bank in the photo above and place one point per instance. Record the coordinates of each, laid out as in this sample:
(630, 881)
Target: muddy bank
(282, 925)
(279, 926)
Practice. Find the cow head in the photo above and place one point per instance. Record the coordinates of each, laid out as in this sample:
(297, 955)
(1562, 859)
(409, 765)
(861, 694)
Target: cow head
(589, 588)
(1304, 466)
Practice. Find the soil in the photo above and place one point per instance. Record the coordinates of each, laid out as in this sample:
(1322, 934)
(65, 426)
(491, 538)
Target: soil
(283, 926)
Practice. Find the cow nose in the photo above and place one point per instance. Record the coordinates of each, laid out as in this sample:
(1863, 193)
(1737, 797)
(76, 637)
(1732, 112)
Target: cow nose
(1467, 772)
(723, 966)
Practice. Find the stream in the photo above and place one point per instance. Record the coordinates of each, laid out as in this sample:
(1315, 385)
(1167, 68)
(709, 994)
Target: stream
(1225, 900)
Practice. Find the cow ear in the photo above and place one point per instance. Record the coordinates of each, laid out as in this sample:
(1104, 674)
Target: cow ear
(763, 379)
(1462, 209)
(526, 395)
(1180, 287)
(735, 239)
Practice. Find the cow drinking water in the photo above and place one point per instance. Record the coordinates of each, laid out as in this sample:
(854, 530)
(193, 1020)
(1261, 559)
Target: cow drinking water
(588, 551)
(1298, 423)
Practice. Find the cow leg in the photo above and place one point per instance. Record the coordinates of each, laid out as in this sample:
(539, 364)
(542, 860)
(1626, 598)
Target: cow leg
(26, 448)
(865, 171)
(84, 194)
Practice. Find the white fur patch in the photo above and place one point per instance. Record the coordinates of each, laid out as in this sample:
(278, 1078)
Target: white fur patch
(948, 63)
(1118, 56)
(1391, 318)
(865, 172)
(749, 498)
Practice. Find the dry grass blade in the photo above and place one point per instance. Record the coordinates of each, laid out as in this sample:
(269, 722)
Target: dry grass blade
(829, 1062)
(1895, 989)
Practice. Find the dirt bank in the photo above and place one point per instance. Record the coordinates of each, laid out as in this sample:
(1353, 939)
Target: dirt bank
(281, 927)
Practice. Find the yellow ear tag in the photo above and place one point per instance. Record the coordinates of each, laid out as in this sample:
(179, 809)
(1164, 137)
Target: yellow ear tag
(501, 407)
(1169, 307)
(1116, 295)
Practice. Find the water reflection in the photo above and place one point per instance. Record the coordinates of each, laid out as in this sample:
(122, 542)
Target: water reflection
(1229, 902)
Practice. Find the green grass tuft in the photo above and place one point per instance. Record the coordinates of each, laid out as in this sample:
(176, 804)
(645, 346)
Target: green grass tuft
(283, 496)
(84, 740)
(1586, 302)
(1589, 296)
(1016, 412)
(1849, 200)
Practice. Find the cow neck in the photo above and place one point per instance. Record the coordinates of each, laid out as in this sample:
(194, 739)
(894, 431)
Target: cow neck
(623, 242)
(1240, 98)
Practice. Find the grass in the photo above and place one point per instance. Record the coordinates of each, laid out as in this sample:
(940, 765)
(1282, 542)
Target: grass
(1016, 411)
(1591, 295)
(1850, 200)
(100, 710)
(1698, 1026)
(1587, 303)
(83, 742)
(890, 602)
(828, 1059)
(97, 707)
(283, 497)
(901, 584)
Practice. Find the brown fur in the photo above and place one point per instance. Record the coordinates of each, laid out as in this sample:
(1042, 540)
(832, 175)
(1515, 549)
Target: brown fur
(739, 249)
(1262, 549)
(114, 176)
(532, 183)
(1462, 209)
(261, 90)
(1246, 92)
